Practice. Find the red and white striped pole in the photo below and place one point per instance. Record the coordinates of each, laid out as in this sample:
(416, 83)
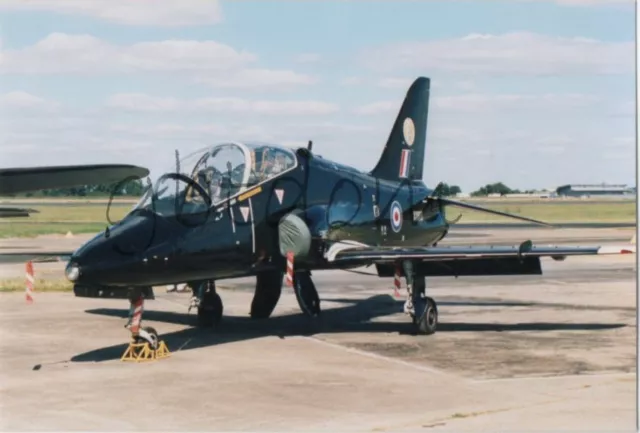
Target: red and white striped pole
(396, 281)
(137, 315)
(289, 269)
(29, 282)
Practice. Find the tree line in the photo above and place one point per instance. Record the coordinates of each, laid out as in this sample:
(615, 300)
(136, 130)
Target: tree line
(493, 188)
(133, 188)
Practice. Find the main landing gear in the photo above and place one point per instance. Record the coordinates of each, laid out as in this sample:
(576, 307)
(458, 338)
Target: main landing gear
(269, 290)
(208, 302)
(422, 309)
(267, 294)
(306, 293)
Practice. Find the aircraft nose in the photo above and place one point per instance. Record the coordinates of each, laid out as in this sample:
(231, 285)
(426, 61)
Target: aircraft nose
(116, 256)
(72, 271)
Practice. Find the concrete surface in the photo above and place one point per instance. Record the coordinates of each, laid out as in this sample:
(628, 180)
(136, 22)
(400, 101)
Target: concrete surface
(552, 352)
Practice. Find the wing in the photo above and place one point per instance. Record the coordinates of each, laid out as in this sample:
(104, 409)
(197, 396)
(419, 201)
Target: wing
(348, 252)
(41, 257)
(462, 260)
(17, 180)
(14, 212)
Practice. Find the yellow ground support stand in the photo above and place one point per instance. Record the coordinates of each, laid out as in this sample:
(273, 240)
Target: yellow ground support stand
(141, 352)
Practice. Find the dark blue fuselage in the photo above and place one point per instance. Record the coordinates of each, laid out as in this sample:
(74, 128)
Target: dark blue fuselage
(239, 237)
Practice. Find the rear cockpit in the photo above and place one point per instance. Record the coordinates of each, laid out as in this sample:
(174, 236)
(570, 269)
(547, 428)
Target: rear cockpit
(229, 169)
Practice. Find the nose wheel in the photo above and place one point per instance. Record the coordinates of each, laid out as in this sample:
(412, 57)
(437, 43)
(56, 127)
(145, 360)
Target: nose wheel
(147, 334)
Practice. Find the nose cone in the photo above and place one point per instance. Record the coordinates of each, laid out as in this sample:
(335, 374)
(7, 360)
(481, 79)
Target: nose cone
(117, 256)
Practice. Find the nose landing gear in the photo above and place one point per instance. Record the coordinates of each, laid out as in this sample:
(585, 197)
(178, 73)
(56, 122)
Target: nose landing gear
(145, 344)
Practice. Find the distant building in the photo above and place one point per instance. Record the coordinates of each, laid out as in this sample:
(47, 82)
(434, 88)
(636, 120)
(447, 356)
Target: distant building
(594, 190)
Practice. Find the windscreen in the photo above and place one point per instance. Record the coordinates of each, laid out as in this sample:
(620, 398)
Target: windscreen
(174, 194)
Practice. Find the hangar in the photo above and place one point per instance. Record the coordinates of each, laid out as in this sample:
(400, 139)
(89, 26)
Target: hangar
(582, 190)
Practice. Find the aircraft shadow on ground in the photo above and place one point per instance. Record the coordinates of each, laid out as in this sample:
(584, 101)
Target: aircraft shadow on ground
(355, 317)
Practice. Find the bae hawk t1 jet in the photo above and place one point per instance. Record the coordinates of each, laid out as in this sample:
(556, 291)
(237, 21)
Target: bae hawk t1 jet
(254, 209)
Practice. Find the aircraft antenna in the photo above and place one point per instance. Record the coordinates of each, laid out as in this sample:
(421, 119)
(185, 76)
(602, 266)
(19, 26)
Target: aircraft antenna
(177, 172)
(309, 145)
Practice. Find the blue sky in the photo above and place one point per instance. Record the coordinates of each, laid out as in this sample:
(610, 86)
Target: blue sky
(532, 93)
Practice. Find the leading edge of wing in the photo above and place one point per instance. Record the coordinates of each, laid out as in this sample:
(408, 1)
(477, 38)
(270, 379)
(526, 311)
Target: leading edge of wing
(339, 253)
(39, 257)
(14, 212)
(25, 179)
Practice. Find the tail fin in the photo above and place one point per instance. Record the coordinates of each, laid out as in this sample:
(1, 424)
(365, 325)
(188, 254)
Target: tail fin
(403, 155)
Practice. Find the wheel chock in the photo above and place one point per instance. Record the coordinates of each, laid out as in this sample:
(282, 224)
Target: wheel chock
(162, 351)
(141, 352)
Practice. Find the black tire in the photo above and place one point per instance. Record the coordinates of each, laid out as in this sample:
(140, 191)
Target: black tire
(427, 322)
(306, 294)
(210, 310)
(267, 295)
(154, 337)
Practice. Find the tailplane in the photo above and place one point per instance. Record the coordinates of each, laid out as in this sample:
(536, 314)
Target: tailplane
(403, 155)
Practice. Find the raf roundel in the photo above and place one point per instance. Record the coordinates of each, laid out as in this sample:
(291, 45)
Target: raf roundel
(408, 131)
(396, 217)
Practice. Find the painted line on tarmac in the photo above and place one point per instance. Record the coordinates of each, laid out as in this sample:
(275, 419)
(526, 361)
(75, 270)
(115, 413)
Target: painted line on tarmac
(385, 358)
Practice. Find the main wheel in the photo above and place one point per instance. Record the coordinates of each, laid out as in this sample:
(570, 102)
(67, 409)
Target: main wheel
(210, 310)
(267, 294)
(306, 294)
(427, 322)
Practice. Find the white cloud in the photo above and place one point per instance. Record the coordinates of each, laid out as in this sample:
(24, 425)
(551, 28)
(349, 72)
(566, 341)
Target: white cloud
(132, 12)
(351, 81)
(308, 58)
(484, 103)
(61, 53)
(252, 78)
(628, 142)
(23, 100)
(466, 85)
(381, 107)
(395, 83)
(624, 109)
(405, 82)
(141, 102)
(510, 53)
(208, 62)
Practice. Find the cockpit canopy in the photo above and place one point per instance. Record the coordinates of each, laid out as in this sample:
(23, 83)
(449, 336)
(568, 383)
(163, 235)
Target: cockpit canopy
(214, 174)
(228, 169)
